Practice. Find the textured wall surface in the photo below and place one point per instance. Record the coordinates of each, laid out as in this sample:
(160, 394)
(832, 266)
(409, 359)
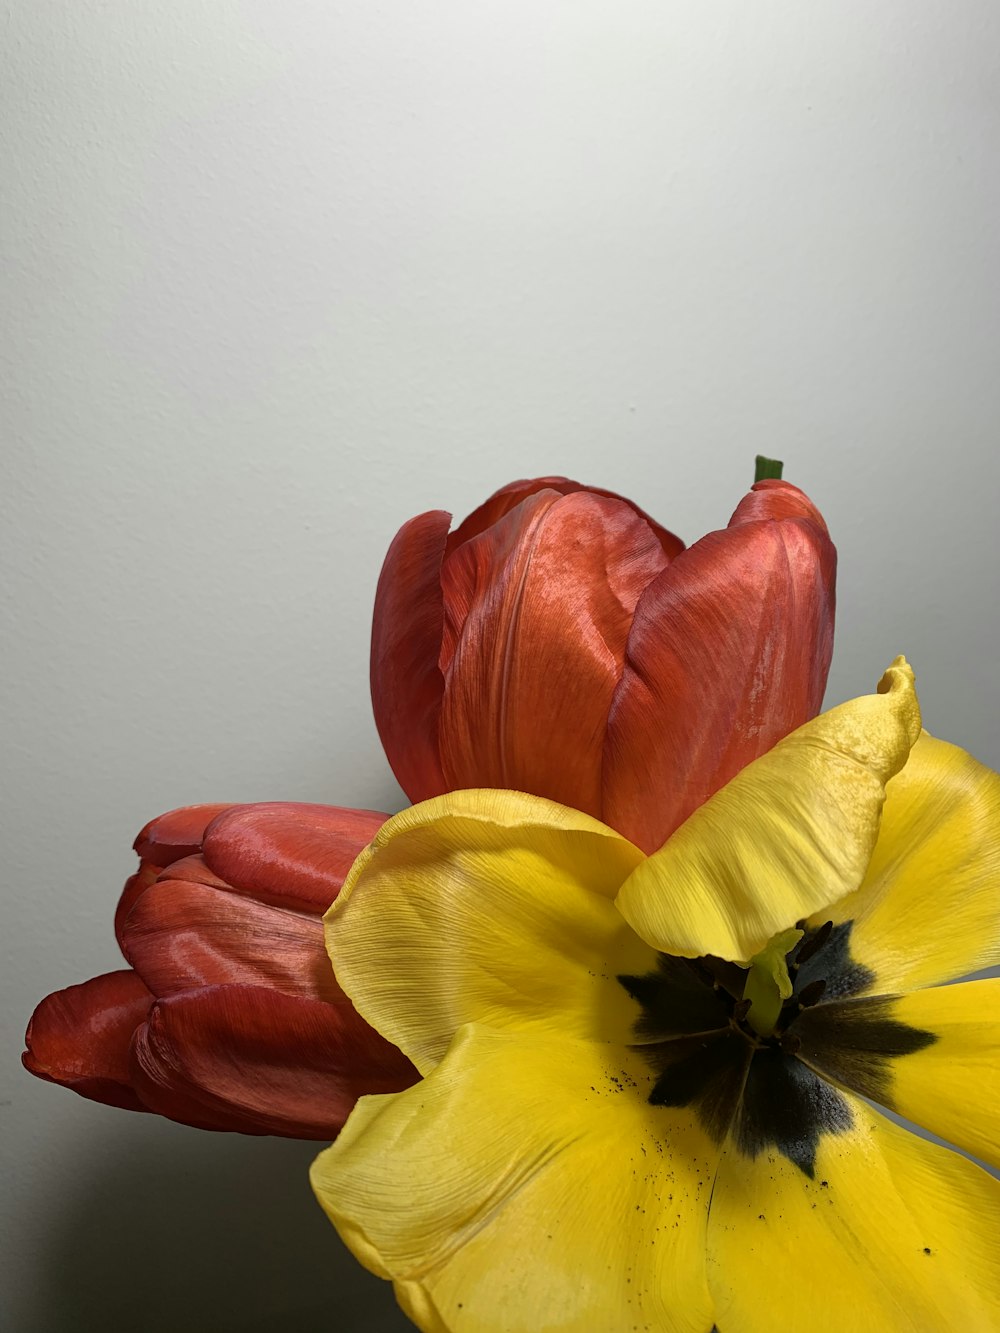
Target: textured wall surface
(278, 275)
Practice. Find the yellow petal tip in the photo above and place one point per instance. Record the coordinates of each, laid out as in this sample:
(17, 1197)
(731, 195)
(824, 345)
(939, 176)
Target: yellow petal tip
(898, 679)
(789, 835)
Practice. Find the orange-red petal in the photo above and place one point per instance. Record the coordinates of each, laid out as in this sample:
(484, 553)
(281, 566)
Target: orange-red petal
(240, 1058)
(729, 651)
(181, 935)
(501, 502)
(177, 833)
(80, 1037)
(537, 613)
(135, 886)
(416, 628)
(289, 854)
(194, 870)
(406, 680)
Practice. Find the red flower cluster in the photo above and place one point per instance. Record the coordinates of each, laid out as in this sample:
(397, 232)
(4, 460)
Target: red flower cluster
(558, 642)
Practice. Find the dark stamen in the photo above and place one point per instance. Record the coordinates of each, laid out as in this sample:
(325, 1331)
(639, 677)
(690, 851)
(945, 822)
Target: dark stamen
(811, 994)
(813, 944)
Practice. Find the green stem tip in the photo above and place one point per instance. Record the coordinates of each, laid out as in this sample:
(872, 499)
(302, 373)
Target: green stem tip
(767, 469)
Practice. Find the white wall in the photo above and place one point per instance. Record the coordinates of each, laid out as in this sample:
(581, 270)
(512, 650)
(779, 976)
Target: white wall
(279, 275)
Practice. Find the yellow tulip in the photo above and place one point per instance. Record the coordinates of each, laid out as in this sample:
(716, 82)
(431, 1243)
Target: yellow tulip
(603, 1139)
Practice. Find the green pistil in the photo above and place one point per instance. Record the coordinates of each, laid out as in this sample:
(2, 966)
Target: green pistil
(768, 984)
(768, 469)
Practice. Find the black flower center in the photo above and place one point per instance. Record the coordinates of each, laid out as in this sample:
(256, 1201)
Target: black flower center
(694, 1031)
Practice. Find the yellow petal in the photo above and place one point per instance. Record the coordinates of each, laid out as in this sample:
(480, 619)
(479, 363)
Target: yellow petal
(929, 908)
(488, 906)
(528, 1184)
(791, 833)
(933, 1056)
(893, 1234)
(952, 1086)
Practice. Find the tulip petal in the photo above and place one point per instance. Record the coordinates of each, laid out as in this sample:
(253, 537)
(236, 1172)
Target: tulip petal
(537, 611)
(948, 1082)
(175, 834)
(891, 1233)
(406, 681)
(181, 935)
(260, 1062)
(135, 886)
(501, 502)
(286, 853)
(789, 835)
(193, 870)
(777, 500)
(79, 1037)
(928, 909)
(528, 1184)
(728, 652)
(487, 906)
(508, 497)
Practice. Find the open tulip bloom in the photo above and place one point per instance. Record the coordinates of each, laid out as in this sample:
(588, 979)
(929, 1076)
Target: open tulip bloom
(646, 1101)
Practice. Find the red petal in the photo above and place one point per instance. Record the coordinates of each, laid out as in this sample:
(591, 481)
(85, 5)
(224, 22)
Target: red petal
(538, 609)
(501, 502)
(260, 1062)
(778, 500)
(289, 854)
(135, 886)
(181, 936)
(729, 651)
(406, 681)
(79, 1037)
(194, 870)
(508, 497)
(175, 834)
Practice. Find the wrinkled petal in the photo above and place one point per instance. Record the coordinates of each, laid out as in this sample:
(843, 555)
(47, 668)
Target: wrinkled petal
(891, 1233)
(508, 497)
(287, 853)
(175, 834)
(501, 502)
(406, 681)
(929, 908)
(528, 1184)
(790, 834)
(487, 906)
(729, 652)
(944, 1068)
(537, 611)
(182, 935)
(260, 1062)
(79, 1037)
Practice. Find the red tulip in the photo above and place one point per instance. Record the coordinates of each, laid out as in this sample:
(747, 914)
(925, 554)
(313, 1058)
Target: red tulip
(231, 1017)
(560, 642)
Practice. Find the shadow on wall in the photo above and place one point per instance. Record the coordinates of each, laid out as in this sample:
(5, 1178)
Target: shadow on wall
(205, 1233)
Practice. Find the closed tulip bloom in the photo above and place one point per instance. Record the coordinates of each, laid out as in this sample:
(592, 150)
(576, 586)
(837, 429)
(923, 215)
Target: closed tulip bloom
(230, 1017)
(560, 642)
